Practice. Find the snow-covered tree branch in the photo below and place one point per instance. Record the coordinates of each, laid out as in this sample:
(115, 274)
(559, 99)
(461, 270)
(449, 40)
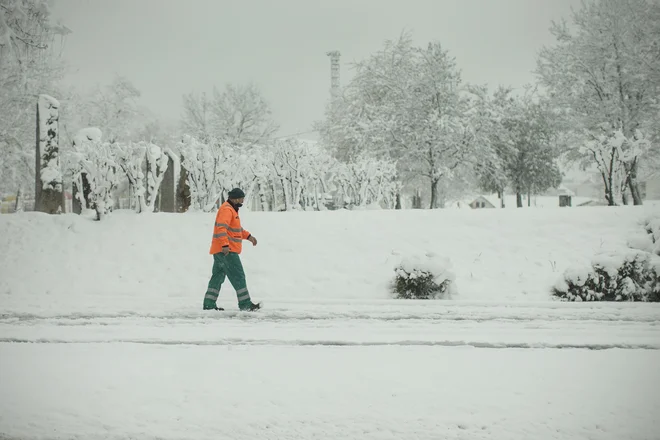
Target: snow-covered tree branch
(603, 74)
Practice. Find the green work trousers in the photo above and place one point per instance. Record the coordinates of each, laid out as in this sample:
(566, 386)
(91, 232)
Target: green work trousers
(228, 266)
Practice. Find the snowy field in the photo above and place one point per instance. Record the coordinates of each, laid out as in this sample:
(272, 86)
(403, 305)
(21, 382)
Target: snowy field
(102, 336)
(160, 262)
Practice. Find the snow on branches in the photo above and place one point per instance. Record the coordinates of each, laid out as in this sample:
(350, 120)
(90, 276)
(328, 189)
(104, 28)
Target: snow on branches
(49, 178)
(407, 103)
(144, 165)
(367, 181)
(94, 171)
(50, 175)
(98, 169)
(614, 155)
(202, 163)
(283, 175)
(602, 73)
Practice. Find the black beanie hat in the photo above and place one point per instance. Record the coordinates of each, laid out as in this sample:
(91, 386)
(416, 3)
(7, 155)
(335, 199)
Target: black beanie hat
(236, 193)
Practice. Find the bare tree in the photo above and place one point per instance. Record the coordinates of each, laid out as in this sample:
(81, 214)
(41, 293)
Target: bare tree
(238, 115)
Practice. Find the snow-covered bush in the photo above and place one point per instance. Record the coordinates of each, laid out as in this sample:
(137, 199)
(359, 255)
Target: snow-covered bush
(130, 159)
(156, 161)
(632, 275)
(93, 169)
(427, 277)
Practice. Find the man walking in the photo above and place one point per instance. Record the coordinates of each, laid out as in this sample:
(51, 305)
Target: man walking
(226, 246)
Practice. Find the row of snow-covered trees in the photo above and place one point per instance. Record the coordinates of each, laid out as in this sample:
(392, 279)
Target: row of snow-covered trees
(410, 104)
(596, 104)
(405, 121)
(603, 81)
(97, 169)
(281, 175)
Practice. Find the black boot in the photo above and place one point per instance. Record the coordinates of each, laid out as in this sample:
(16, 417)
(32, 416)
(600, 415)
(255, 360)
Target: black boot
(213, 308)
(254, 307)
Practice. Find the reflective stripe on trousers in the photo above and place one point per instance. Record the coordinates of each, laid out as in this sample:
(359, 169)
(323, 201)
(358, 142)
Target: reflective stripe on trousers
(227, 266)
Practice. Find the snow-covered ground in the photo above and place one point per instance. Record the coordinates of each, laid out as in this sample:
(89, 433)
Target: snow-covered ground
(132, 391)
(160, 262)
(102, 336)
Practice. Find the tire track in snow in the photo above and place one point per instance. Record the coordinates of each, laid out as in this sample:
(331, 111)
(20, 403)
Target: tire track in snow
(339, 343)
(495, 326)
(450, 315)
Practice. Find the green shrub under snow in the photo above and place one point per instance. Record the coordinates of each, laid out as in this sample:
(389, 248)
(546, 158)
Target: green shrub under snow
(427, 277)
(633, 275)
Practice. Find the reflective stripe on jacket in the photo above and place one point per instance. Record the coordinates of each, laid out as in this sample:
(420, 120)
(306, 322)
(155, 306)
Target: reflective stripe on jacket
(227, 230)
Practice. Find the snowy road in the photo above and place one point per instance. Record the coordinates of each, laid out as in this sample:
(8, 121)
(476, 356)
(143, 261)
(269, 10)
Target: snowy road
(532, 325)
(367, 370)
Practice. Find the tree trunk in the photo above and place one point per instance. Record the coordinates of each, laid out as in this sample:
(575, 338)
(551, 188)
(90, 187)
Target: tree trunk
(500, 194)
(417, 201)
(609, 193)
(18, 206)
(183, 199)
(286, 199)
(262, 197)
(273, 196)
(398, 200)
(86, 189)
(519, 202)
(434, 193)
(634, 185)
(316, 205)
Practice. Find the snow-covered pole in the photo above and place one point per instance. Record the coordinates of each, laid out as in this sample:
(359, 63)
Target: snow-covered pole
(49, 194)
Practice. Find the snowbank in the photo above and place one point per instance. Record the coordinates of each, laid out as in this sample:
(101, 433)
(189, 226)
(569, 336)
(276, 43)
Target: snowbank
(134, 262)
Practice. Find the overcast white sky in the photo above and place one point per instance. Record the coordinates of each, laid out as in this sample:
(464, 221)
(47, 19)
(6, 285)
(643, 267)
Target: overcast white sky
(171, 47)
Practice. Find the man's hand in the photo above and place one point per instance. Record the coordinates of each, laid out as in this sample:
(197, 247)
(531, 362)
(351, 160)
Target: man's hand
(252, 240)
(225, 250)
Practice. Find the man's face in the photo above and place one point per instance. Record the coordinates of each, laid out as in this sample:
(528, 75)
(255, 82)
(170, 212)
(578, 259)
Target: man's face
(235, 201)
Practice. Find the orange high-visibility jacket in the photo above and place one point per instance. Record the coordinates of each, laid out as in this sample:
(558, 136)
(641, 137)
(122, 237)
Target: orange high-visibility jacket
(228, 230)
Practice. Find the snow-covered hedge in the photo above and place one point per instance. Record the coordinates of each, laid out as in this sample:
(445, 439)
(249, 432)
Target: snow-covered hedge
(284, 175)
(630, 275)
(633, 275)
(281, 175)
(427, 277)
(103, 165)
(92, 163)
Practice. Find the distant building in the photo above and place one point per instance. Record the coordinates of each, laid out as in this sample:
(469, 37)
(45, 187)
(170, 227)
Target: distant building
(481, 202)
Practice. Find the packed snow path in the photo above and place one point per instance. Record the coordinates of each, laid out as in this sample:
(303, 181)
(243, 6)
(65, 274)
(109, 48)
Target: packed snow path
(369, 370)
(477, 324)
